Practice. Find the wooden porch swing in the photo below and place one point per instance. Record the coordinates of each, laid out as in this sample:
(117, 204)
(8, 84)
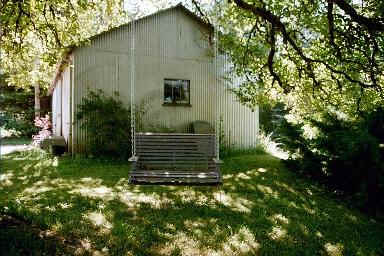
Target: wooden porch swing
(170, 158)
(177, 159)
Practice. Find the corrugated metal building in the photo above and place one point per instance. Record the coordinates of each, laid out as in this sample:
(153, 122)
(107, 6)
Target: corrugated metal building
(175, 74)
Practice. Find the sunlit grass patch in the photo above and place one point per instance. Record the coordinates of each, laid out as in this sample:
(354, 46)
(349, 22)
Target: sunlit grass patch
(261, 209)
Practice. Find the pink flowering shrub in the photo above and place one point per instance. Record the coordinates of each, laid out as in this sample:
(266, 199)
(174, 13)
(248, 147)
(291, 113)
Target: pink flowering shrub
(45, 126)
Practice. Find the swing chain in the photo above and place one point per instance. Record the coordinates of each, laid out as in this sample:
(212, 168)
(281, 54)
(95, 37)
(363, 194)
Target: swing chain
(133, 114)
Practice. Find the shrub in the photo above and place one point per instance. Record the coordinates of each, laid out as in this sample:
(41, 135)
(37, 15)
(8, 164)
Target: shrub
(107, 123)
(271, 116)
(20, 124)
(17, 109)
(345, 155)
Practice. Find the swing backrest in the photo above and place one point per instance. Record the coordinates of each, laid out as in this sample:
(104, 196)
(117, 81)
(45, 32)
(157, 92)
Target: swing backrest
(164, 151)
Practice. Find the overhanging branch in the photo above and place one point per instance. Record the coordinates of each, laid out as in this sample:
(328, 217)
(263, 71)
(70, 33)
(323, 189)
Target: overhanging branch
(281, 27)
(370, 23)
(203, 16)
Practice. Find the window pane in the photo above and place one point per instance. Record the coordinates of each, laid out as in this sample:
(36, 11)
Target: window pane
(186, 91)
(168, 98)
(176, 91)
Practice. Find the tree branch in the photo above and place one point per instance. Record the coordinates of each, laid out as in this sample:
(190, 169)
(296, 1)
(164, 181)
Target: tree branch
(370, 23)
(331, 28)
(280, 26)
(203, 16)
(248, 41)
(271, 56)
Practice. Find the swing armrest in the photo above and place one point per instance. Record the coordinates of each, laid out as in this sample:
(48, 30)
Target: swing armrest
(217, 161)
(133, 159)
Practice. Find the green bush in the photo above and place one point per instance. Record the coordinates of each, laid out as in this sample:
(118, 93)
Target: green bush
(17, 111)
(20, 124)
(271, 116)
(347, 156)
(107, 123)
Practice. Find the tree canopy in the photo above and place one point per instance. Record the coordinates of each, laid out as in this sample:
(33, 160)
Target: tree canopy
(35, 33)
(311, 54)
(317, 54)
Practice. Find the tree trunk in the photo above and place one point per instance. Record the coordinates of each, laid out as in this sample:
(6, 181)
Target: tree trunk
(37, 89)
(37, 100)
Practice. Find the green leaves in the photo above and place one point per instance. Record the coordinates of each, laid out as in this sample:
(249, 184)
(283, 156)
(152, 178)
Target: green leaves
(344, 154)
(107, 124)
(40, 30)
(322, 54)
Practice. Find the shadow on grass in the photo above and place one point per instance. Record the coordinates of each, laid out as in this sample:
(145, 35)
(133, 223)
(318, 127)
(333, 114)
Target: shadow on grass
(19, 238)
(262, 209)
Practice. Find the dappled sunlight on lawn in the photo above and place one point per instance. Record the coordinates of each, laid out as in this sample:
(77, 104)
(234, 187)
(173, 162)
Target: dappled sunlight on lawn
(286, 187)
(99, 220)
(37, 188)
(235, 203)
(134, 199)
(92, 188)
(242, 242)
(260, 209)
(279, 218)
(268, 191)
(192, 196)
(277, 233)
(334, 249)
(6, 179)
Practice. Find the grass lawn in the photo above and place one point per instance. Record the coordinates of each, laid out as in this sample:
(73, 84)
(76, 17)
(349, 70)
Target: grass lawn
(262, 209)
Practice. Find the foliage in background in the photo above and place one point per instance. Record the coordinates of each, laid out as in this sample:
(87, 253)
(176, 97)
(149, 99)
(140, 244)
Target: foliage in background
(17, 110)
(18, 124)
(346, 155)
(107, 123)
(311, 55)
(45, 130)
(271, 116)
(35, 34)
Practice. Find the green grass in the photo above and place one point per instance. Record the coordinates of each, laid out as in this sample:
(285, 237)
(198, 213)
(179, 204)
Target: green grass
(262, 209)
(226, 152)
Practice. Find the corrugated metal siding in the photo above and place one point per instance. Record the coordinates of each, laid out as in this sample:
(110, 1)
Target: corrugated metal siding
(57, 109)
(240, 123)
(61, 106)
(54, 111)
(66, 79)
(168, 45)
